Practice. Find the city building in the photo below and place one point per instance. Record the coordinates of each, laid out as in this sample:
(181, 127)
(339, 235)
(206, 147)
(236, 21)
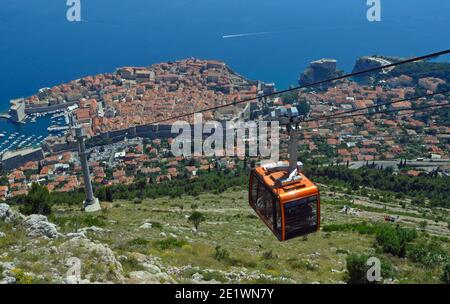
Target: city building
(17, 110)
(15, 159)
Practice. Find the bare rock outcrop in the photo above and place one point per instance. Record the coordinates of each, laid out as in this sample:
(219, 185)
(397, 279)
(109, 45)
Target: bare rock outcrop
(38, 226)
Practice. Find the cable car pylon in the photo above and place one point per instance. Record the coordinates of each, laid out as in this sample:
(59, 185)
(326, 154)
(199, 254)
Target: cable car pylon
(91, 203)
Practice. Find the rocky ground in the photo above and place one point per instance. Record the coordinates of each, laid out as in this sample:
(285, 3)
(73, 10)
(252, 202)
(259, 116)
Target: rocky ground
(153, 242)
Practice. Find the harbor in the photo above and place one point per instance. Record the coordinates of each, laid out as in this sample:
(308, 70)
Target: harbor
(32, 131)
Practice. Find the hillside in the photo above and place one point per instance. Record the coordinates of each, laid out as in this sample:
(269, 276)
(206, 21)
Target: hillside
(153, 242)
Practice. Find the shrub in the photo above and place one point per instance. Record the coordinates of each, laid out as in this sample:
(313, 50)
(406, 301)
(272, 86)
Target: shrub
(137, 200)
(138, 241)
(394, 240)
(357, 269)
(108, 194)
(131, 264)
(214, 275)
(170, 243)
(446, 274)
(428, 253)
(156, 225)
(76, 222)
(21, 277)
(221, 254)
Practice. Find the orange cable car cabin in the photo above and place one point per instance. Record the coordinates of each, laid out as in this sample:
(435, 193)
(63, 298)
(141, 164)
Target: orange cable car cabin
(289, 211)
(285, 199)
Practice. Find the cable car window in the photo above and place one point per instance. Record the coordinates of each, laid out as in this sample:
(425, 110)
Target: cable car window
(300, 217)
(254, 193)
(264, 204)
(277, 226)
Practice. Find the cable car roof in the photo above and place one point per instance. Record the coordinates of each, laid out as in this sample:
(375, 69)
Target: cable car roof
(298, 189)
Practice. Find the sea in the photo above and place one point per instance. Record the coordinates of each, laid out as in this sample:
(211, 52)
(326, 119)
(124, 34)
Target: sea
(269, 40)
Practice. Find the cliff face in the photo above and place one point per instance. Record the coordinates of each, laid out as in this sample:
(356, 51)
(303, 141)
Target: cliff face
(365, 63)
(319, 70)
(371, 62)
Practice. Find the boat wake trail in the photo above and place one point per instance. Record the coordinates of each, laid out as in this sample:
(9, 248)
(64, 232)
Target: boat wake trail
(317, 28)
(256, 34)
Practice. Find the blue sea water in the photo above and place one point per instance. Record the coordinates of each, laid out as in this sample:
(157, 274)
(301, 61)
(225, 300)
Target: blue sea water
(40, 48)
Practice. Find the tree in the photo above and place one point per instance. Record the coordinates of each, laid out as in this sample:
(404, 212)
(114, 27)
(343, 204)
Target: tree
(196, 218)
(37, 201)
(290, 97)
(108, 195)
(4, 181)
(303, 108)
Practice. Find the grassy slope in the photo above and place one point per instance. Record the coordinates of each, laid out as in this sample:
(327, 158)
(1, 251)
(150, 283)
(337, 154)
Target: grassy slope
(230, 224)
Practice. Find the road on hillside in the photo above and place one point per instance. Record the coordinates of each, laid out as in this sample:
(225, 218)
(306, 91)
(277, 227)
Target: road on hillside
(427, 164)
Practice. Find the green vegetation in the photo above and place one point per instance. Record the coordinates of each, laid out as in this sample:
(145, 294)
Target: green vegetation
(292, 97)
(137, 200)
(394, 240)
(423, 69)
(446, 274)
(75, 222)
(138, 242)
(196, 218)
(436, 189)
(399, 242)
(215, 182)
(233, 239)
(224, 256)
(21, 276)
(37, 201)
(169, 243)
(357, 269)
(221, 254)
(428, 252)
(131, 264)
